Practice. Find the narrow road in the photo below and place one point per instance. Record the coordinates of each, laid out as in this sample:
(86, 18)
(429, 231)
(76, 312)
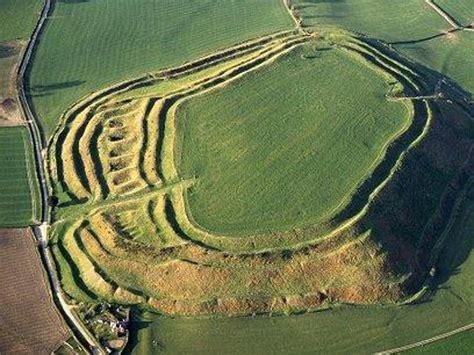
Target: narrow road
(40, 232)
(428, 341)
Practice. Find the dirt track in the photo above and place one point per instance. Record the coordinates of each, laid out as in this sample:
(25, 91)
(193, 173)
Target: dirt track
(29, 321)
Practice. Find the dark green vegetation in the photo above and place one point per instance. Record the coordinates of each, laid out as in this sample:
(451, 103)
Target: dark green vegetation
(87, 45)
(390, 21)
(17, 18)
(18, 188)
(263, 164)
(343, 329)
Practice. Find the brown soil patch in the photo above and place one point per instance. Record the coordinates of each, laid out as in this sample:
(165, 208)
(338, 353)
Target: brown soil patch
(29, 321)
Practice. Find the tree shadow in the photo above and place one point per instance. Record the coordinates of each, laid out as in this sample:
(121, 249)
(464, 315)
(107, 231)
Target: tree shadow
(55, 86)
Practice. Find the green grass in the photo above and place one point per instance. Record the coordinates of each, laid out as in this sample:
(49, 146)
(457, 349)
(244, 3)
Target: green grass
(9, 55)
(450, 55)
(462, 343)
(344, 329)
(17, 18)
(88, 45)
(461, 10)
(19, 204)
(383, 19)
(265, 164)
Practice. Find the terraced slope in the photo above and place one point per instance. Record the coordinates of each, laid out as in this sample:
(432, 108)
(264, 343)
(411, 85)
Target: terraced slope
(86, 46)
(122, 229)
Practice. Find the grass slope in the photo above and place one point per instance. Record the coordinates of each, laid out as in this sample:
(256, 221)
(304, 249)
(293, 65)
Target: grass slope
(345, 329)
(450, 55)
(18, 18)
(18, 205)
(87, 45)
(461, 10)
(387, 20)
(265, 164)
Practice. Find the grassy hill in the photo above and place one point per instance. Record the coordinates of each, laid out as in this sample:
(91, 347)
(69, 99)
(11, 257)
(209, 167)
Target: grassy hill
(287, 146)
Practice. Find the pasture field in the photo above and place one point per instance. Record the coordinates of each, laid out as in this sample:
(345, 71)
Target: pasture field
(18, 18)
(342, 329)
(19, 205)
(9, 57)
(461, 10)
(391, 21)
(30, 322)
(462, 343)
(263, 165)
(450, 55)
(89, 45)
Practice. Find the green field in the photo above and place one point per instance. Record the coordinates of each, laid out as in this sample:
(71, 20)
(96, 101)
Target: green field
(344, 329)
(17, 18)
(461, 10)
(262, 164)
(91, 44)
(450, 55)
(391, 21)
(462, 343)
(19, 205)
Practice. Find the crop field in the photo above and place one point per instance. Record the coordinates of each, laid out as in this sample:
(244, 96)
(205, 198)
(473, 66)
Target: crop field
(74, 59)
(449, 55)
(30, 322)
(19, 190)
(391, 21)
(461, 10)
(17, 18)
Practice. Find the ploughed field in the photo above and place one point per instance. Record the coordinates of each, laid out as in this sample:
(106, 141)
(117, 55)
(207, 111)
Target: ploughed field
(175, 190)
(30, 322)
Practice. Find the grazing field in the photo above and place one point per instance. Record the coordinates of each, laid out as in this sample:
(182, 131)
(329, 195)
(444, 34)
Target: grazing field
(19, 205)
(461, 10)
(342, 329)
(391, 21)
(91, 44)
(263, 165)
(450, 55)
(18, 18)
(458, 344)
(30, 322)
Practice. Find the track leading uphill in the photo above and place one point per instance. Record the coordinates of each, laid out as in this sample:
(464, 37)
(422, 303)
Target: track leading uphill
(151, 186)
